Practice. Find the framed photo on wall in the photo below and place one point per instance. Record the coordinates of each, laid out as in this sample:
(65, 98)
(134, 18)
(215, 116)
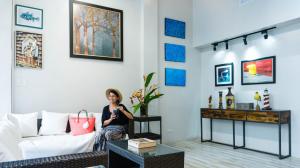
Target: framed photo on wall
(175, 28)
(29, 50)
(259, 71)
(28, 17)
(224, 74)
(174, 52)
(96, 32)
(175, 77)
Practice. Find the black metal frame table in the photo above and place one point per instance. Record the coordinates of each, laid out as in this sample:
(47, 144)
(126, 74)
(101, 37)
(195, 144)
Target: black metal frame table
(161, 156)
(148, 134)
(281, 120)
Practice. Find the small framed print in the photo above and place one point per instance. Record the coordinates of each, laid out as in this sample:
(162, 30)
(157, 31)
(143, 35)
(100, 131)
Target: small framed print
(259, 71)
(28, 17)
(29, 50)
(224, 74)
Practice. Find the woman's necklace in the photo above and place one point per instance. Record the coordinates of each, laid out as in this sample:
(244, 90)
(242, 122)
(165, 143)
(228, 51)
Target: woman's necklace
(111, 108)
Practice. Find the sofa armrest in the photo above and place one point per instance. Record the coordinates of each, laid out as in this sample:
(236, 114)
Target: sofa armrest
(80, 160)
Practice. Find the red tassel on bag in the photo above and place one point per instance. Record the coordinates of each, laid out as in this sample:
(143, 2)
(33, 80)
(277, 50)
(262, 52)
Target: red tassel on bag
(82, 125)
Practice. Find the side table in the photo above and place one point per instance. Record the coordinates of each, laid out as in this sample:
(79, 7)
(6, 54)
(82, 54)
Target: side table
(148, 134)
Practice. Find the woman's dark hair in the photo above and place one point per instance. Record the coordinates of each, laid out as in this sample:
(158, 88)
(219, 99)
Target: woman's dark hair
(117, 94)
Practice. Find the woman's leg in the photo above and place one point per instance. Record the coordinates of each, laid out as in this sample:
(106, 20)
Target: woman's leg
(113, 135)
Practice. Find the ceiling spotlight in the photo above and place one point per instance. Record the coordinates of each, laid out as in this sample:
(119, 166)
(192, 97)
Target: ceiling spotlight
(226, 43)
(266, 36)
(245, 40)
(215, 46)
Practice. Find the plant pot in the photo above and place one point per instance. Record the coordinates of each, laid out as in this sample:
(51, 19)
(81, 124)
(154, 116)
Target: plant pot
(144, 110)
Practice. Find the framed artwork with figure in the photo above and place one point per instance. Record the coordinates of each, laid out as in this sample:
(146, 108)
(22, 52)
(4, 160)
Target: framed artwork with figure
(224, 74)
(29, 50)
(96, 32)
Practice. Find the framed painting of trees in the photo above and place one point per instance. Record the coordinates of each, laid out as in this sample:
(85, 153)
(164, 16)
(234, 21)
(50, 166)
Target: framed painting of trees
(96, 32)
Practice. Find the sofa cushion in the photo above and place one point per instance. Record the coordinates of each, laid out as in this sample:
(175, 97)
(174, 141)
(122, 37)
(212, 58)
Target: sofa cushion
(9, 149)
(26, 122)
(98, 124)
(53, 145)
(16, 128)
(53, 123)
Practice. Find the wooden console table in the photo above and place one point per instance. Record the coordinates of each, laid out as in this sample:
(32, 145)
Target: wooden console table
(277, 117)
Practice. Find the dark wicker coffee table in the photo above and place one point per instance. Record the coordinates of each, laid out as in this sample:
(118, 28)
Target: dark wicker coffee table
(161, 156)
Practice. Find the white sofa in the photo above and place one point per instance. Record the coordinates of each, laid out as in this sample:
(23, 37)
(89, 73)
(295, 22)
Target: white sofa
(22, 141)
(21, 138)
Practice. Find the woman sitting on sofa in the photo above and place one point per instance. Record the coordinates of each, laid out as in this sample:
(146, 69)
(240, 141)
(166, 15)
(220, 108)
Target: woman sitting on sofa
(115, 117)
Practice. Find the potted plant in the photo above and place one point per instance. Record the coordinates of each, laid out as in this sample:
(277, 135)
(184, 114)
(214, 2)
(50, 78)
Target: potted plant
(141, 98)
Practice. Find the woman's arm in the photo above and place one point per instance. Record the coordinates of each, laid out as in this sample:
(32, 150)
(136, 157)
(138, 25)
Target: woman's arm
(107, 117)
(126, 112)
(108, 121)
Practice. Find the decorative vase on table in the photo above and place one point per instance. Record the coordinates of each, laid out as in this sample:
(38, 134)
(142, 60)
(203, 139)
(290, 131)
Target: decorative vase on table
(141, 98)
(229, 99)
(144, 110)
(210, 105)
(220, 100)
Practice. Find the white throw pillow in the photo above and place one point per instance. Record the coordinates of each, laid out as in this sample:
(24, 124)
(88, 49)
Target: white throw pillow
(98, 124)
(26, 122)
(53, 123)
(9, 149)
(14, 123)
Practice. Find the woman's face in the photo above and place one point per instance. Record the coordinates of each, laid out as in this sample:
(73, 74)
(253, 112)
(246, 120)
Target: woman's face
(113, 98)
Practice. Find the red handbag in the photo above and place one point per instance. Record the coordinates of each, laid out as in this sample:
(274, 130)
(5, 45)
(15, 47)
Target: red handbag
(82, 125)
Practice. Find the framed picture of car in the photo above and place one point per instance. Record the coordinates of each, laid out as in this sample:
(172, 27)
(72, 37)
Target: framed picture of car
(224, 74)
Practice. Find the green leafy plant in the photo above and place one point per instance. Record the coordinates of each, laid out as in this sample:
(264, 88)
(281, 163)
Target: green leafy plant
(142, 97)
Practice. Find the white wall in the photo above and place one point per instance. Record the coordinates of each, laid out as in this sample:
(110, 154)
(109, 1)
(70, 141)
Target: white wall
(179, 106)
(69, 84)
(283, 43)
(6, 56)
(215, 20)
(149, 45)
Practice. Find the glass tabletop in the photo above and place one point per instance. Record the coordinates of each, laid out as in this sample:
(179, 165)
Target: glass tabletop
(158, 150)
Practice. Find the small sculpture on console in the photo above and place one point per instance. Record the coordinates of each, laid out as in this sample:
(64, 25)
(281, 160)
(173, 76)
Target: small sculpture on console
(257, 97)
(220, 100)
(266, 100)
(210, 102)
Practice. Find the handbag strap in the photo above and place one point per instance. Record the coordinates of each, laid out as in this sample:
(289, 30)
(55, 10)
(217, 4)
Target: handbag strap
(86, 113)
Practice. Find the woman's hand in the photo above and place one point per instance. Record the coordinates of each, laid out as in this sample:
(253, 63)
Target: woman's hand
(121, 108)
(108, 121)
(126, 113)
(112, 116)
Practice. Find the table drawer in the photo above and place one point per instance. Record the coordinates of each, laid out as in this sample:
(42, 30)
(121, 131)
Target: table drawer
(266, 117)
(224, 114)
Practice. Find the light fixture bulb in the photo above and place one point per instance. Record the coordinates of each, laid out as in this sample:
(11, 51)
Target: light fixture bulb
(245, 40)
(226, 43)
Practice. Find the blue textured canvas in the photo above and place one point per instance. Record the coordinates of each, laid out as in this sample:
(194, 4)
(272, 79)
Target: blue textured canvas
(174, 28)
(175, 77)
(174, 52)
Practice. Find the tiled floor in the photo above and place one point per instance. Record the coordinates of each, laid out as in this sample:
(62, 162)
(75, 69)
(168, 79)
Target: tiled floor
(209, 155)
